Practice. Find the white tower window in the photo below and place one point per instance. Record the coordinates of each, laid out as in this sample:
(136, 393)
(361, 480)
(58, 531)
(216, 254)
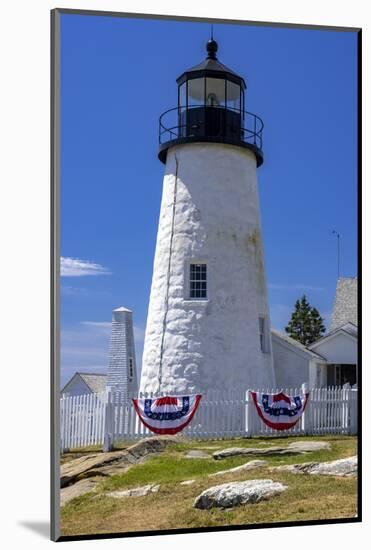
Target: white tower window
(131, 368)
(197, 281)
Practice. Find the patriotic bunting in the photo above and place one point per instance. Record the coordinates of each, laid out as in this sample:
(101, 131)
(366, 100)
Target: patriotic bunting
(279, 411)
(167, 415)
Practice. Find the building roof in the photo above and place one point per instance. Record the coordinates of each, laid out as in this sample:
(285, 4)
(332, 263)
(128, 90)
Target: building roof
(350, 328)
(96, 382)
(295, 344)
(211, 66)
(345, 307)
(347, 328)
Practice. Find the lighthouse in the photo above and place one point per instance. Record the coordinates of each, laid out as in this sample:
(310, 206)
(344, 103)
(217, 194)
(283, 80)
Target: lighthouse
(208, 325)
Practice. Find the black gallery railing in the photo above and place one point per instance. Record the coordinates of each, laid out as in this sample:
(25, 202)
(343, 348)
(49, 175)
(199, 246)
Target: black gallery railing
(214, 122)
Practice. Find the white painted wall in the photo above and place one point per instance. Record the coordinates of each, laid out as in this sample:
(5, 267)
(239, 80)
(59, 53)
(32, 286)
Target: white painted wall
(291, 367)
(212, 344)
(294, 367)
(317, 374)
(340, 348)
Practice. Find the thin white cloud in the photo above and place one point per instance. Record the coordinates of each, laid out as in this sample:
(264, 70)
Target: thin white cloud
(74, 267)
(73, 291)
(97, 324)
(279, 286)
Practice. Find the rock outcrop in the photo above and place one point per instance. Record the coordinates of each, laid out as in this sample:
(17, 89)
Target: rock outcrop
(103, 464)
(80, 476)
(251, 465)
(291, 449)
(135, 492)
(343, 467)
(194, 453)
(77, 489)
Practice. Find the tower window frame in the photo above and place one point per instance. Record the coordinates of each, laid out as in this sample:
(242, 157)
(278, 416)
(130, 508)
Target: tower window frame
(197, 281)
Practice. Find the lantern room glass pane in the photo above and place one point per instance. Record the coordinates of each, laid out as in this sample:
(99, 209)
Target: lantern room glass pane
(183, 96)
(196, 91)
(215, 92)
(182, 108)
(233, 95)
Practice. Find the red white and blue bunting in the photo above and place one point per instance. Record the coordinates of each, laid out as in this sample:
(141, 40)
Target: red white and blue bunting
(279, 411)
(167, 415)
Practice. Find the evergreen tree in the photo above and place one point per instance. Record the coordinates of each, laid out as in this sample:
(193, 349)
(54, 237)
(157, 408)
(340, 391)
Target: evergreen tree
(306, 324)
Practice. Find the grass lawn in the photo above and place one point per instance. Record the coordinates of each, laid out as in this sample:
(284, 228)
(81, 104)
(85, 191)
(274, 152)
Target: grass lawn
(307, 497)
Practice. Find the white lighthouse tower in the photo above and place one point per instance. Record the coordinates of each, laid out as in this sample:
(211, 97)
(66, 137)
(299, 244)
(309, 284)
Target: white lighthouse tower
(208, 323)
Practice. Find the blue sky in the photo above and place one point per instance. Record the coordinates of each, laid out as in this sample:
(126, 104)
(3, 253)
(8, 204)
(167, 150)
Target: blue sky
(117, 76)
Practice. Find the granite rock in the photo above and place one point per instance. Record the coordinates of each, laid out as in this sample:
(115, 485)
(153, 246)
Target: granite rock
(77, 489)
(343, 467)
(251, 465)
(232, 494)
(104, 464)
(299, 447)
(135, 492)
(197, 454)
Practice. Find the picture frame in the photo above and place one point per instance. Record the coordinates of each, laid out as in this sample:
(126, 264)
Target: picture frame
(56, 166)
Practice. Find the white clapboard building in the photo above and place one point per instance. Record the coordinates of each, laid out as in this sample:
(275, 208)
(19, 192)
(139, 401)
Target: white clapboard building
(330, 361)
(208, 325)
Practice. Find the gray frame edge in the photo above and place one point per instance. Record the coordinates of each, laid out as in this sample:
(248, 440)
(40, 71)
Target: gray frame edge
(134, 15)
(55, 273)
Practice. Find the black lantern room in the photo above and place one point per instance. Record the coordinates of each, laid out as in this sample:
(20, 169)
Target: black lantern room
(211, 108)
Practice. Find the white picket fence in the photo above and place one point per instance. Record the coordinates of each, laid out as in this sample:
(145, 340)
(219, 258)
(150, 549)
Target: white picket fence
(108, 419)
(82, 420)
(330, 410)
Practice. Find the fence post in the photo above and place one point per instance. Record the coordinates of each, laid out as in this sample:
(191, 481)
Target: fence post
(64, 426)
(247, 425)
(307, 416)
(344, 393)
(108, 425)
(248, 430)
(354, 409)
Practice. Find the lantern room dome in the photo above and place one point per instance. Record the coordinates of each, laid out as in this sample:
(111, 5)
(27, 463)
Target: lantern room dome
(211, 66)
